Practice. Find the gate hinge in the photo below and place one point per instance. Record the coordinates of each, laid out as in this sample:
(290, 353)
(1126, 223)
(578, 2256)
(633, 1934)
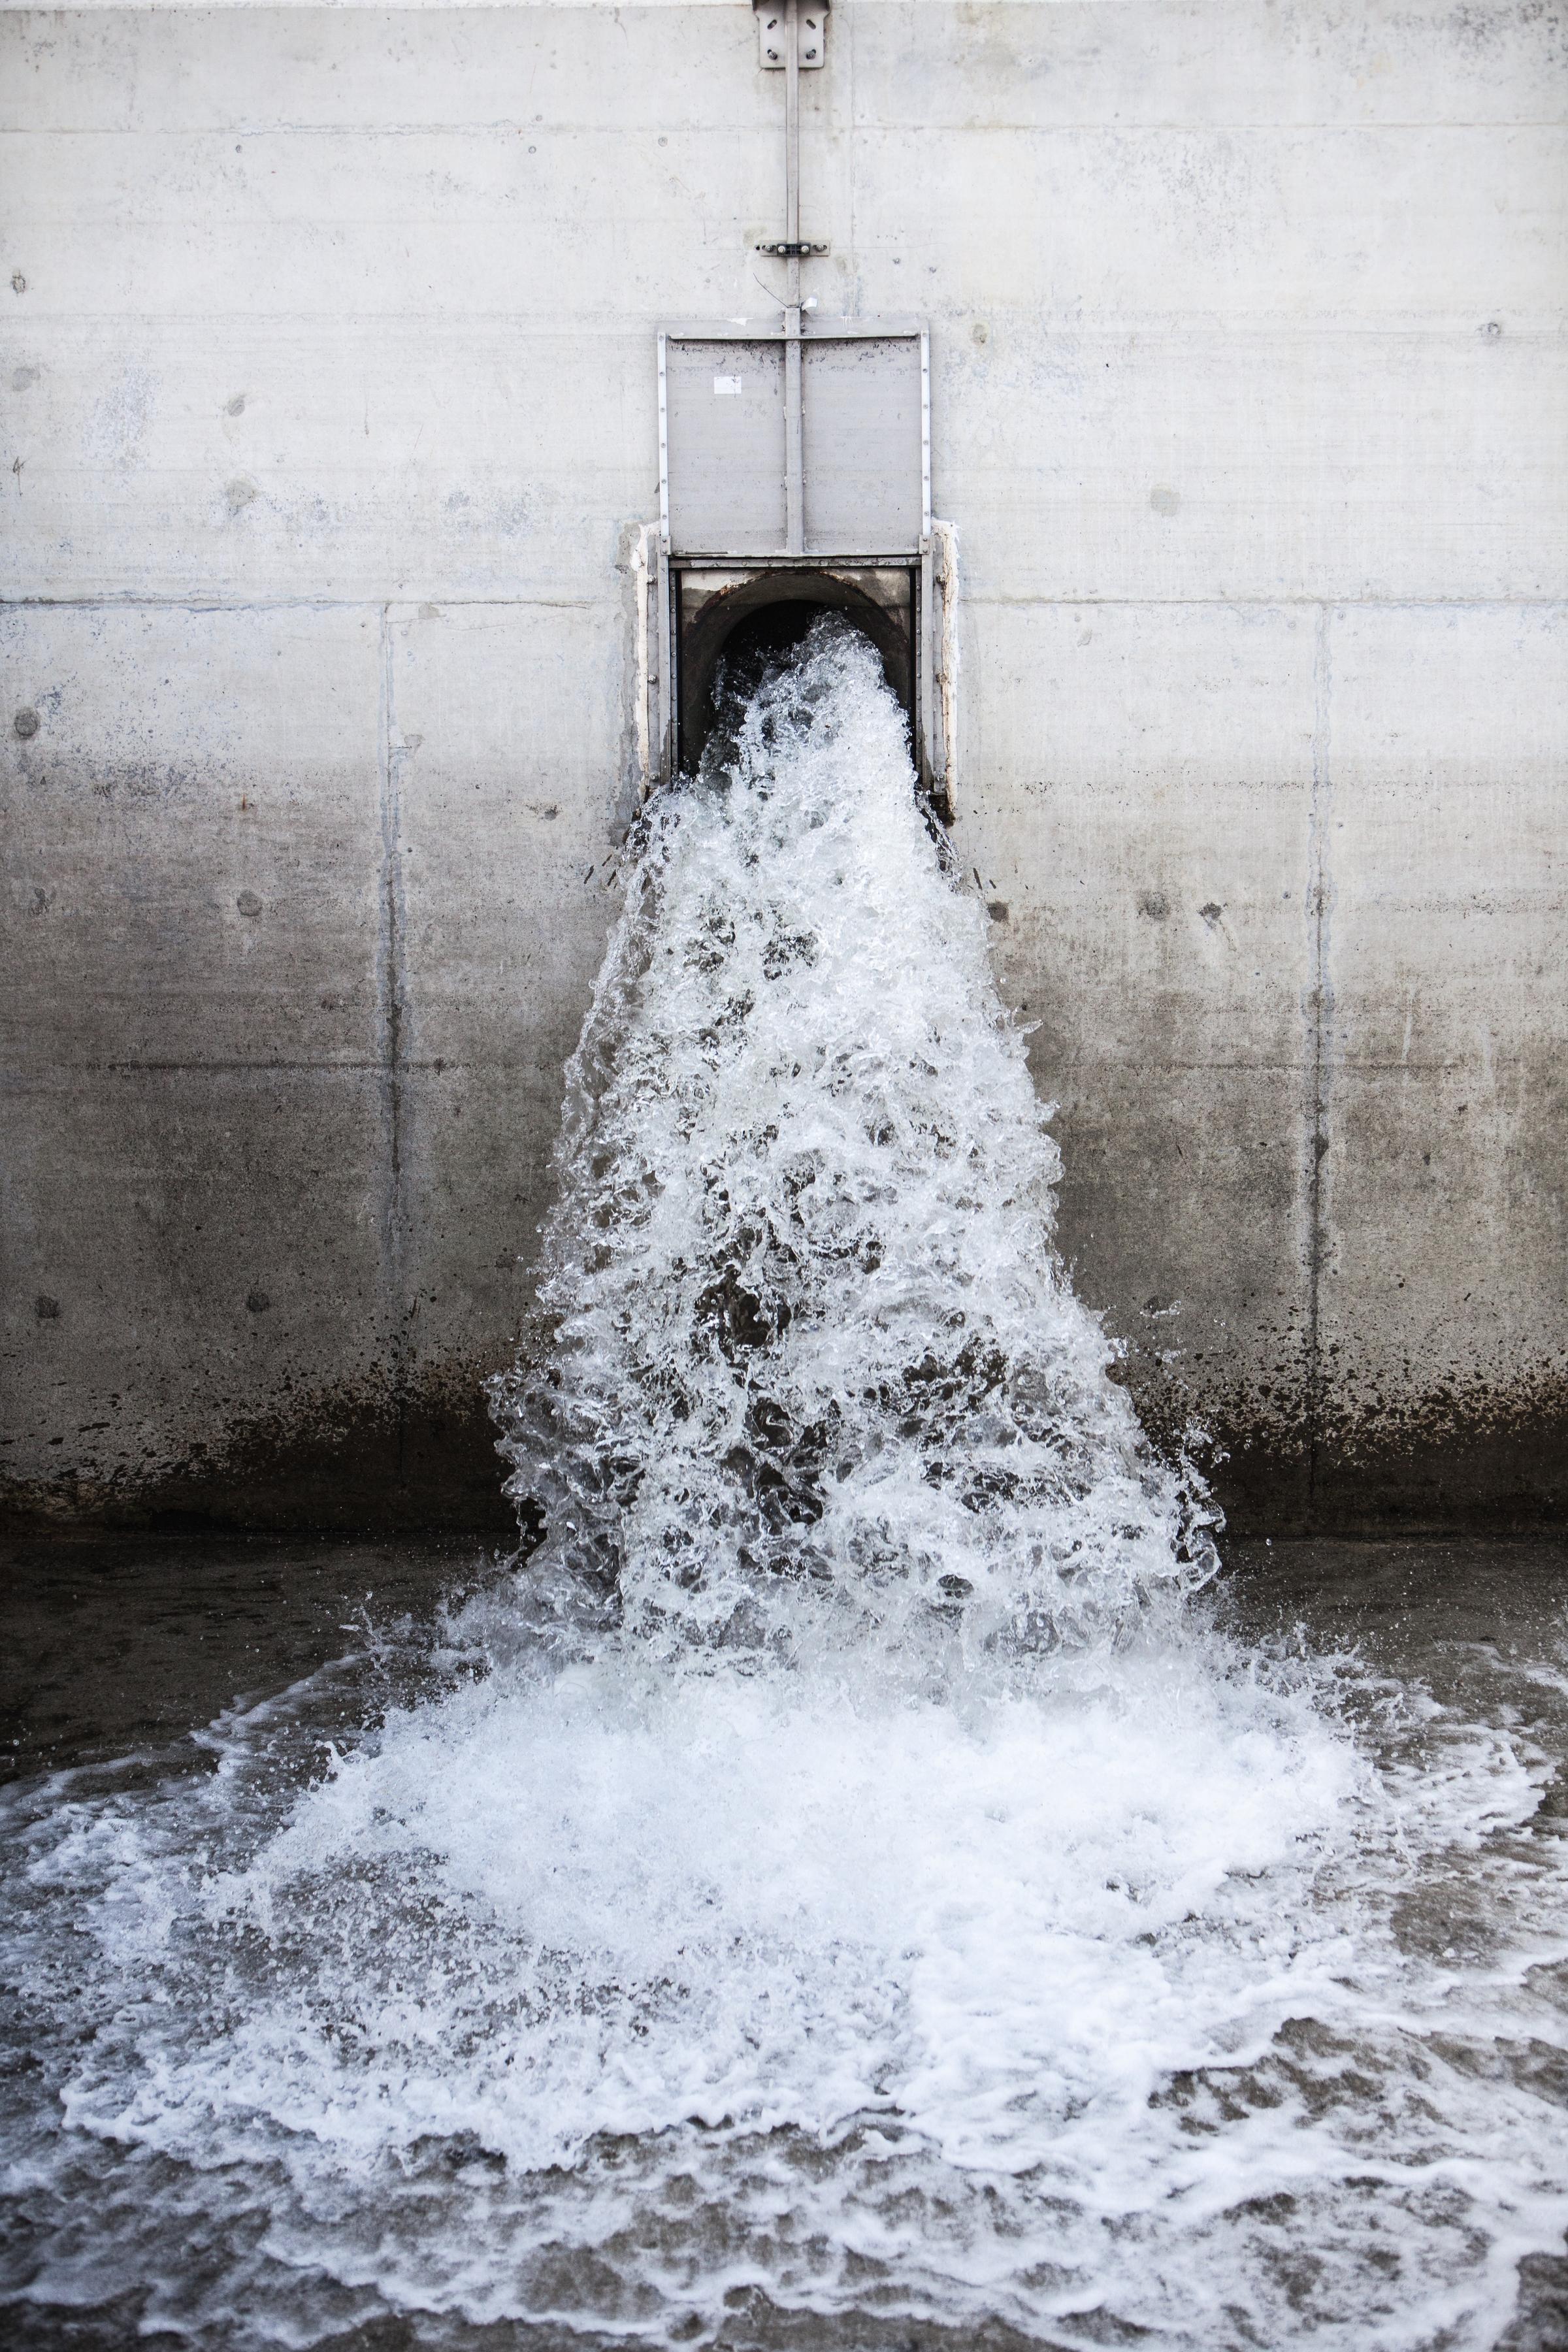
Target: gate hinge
(812, 35)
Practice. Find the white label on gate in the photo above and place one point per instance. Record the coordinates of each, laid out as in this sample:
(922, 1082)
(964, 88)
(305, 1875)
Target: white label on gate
(724, 385)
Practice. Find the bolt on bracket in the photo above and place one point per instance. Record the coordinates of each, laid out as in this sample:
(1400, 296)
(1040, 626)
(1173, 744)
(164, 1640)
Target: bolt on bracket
(771, 34)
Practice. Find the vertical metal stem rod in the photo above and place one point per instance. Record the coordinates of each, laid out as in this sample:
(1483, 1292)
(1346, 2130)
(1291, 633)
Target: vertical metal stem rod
(795, 437)
(792, 139)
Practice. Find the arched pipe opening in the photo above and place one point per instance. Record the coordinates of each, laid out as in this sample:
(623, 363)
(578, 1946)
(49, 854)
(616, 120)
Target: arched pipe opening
(692, 609)
(737, 619)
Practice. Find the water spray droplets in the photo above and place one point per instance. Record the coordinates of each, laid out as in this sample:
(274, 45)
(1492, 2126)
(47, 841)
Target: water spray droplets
(807, 1364)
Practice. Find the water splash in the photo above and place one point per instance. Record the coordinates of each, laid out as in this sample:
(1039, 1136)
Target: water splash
(806, 1362)
(845, 1887)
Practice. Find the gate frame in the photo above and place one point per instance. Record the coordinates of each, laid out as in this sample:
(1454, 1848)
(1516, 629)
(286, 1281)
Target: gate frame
(933, 562)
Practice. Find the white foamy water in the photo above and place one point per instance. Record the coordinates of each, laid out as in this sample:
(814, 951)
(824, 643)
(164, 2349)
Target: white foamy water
(810, 1366)
(846, 1880)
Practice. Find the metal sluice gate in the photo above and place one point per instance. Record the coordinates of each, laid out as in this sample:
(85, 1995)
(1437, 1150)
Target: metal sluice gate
(795, 470)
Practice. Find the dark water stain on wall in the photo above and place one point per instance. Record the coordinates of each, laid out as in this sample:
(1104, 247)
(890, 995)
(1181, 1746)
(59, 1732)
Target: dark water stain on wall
(1479, 1457)
(374, 1453)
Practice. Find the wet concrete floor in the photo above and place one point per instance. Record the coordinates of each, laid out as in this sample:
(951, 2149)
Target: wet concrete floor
(125, 1647)
(120, 1644)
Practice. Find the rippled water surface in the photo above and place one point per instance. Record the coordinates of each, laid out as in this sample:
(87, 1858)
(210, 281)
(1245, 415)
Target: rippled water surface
(864, 1879)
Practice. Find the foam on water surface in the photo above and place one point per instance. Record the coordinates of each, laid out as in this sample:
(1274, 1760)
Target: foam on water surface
(849, 1871)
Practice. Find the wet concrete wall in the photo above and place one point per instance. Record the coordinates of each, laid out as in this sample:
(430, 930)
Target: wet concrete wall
(330, 393)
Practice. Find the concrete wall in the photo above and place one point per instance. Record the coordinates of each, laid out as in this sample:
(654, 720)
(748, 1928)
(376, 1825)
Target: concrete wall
(328, 394)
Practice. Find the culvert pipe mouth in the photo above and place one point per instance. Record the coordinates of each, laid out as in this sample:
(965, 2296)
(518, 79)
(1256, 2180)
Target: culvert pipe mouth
(744, 626)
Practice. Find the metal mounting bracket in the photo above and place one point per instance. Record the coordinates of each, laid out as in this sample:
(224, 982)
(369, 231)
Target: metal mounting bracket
(795, 252)
(772, 35)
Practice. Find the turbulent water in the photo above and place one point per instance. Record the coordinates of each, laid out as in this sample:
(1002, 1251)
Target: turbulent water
(844, 1882)
(811, 1376)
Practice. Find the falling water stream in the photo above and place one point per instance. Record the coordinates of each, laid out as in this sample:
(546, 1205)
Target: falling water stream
(851, 1883)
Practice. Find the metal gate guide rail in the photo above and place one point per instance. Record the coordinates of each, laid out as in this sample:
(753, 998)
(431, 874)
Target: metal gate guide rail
(799, 449)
